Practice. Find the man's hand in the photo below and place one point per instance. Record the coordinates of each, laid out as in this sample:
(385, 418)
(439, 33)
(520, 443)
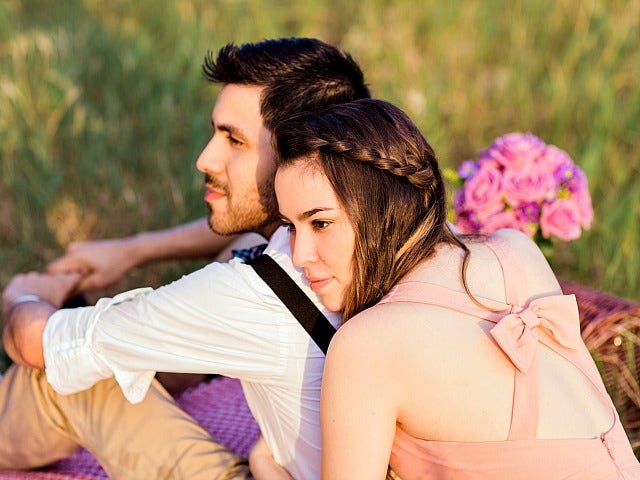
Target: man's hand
(263, 465)
(101, 263)
(51, 288)
(24, 321)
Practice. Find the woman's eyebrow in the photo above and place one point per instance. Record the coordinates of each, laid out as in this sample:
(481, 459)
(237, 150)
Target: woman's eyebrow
(312, 212)
(307, 214)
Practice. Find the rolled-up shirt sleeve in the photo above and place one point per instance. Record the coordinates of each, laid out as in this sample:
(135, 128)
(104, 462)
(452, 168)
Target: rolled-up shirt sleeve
(220, 319)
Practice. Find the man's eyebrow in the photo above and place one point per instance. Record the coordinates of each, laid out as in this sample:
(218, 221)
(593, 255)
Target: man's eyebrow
(235, 131)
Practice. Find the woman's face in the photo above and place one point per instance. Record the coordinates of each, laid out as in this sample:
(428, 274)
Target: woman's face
(321, 236)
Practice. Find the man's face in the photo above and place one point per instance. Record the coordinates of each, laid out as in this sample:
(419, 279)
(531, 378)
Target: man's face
(239, 165)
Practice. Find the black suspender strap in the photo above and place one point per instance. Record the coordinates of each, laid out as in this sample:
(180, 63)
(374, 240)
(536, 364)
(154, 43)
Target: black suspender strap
(312, 319)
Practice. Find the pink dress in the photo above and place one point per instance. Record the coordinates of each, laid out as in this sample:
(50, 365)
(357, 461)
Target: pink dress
(553, 321)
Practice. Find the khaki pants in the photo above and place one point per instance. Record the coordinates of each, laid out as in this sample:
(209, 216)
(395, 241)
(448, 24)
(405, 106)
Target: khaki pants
(154, 439)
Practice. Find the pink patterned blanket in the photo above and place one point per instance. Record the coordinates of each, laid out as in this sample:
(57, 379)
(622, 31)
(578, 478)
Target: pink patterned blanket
(218, 405)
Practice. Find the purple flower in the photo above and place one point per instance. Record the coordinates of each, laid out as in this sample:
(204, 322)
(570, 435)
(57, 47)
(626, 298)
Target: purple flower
(468, 223)
(468, 169)
(458, 201)
(571, 177)
(529, 212)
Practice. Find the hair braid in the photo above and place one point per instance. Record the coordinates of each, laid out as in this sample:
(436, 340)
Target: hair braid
(385, 174)
(422, 176)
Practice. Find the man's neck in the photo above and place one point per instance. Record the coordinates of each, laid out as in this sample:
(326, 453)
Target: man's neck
(268, 230)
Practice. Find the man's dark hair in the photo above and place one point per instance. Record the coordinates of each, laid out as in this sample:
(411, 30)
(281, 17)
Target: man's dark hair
(297, 74)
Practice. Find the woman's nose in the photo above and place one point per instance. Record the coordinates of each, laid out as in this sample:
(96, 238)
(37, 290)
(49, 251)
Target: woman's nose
(303, 251)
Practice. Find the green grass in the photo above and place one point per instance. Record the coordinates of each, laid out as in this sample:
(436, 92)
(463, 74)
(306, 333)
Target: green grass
(103, 109)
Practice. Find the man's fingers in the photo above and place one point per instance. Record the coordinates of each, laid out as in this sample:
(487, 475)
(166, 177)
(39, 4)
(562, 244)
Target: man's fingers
(70, 277)
(86, 284)
(65, 264)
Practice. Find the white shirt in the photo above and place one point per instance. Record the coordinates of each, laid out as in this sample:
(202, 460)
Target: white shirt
(220, 319)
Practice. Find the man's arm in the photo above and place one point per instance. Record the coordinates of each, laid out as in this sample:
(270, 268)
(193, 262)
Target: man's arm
(219, 319)
(22, 333)
(262, 464)
(27, 302)
(105, 262)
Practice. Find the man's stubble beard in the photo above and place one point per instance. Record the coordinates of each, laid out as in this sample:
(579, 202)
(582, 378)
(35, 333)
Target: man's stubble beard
(262, 218)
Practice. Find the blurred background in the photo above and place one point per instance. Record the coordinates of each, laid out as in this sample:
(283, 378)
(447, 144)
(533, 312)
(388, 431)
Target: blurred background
(103, 108)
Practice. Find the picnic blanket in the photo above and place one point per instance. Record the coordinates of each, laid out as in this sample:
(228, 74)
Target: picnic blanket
(218, 404)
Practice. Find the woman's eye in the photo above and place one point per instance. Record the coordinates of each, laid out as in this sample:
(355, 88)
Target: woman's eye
(320, 224)
(289, 226)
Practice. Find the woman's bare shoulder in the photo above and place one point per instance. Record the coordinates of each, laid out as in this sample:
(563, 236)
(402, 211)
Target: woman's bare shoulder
(370, 332)
(515, 238)
(539, 275)
(385, 329)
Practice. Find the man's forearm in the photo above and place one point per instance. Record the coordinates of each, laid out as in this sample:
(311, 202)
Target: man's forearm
(191, 240)
(22, 332)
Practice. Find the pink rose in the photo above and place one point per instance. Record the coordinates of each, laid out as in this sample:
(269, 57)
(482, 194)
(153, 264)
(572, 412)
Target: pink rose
(583, 201)
(553, 158)
(528, 185)
(482, 192)
(561, 218)
(485, 160)
(505, 219)
(515, 150)
(520, 182)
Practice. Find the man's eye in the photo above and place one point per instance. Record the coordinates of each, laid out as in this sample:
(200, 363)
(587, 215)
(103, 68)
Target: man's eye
(234, 141)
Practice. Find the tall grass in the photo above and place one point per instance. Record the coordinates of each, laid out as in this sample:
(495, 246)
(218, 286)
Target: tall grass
(103, 109)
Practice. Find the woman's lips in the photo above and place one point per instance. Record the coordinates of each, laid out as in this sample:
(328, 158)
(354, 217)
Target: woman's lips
(317, 284)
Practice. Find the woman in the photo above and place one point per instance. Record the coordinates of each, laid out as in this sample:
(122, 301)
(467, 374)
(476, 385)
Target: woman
(460, 358)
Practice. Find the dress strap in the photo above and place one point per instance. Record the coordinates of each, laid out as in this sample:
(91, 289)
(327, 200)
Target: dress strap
(551, 320)
(439, 296)
(520, 328)
(515, 282)
(526, 384)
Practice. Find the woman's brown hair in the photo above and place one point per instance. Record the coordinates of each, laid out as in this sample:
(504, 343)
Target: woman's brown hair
(386, 177)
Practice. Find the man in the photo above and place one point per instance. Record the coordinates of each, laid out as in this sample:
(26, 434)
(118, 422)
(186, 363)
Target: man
(221, 319)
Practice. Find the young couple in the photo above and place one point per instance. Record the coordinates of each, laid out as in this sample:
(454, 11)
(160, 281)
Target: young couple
(460, 358)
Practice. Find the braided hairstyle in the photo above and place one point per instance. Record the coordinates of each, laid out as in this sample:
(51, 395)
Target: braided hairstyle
(386, 177)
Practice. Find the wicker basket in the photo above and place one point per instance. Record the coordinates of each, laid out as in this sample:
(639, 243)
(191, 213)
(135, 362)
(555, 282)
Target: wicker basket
(611, 330)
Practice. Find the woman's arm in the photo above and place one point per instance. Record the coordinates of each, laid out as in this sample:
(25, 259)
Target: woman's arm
(358, 403)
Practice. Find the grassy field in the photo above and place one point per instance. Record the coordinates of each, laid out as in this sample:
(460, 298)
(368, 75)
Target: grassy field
(103, 109)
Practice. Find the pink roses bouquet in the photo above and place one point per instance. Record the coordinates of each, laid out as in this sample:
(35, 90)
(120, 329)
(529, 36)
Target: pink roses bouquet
(520, 182)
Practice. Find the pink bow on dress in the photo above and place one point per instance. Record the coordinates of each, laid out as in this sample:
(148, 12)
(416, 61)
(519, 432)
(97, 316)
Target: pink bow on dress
(518, 333)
